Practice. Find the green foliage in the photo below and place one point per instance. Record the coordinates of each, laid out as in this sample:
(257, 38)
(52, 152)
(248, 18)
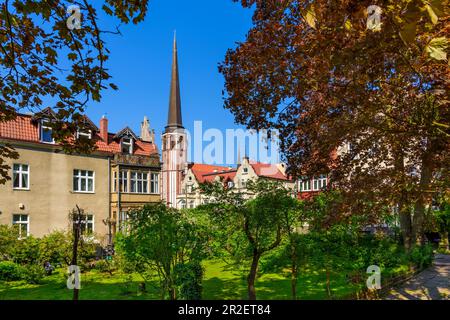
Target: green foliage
(250, 225)
(26, 251)
(87, 253)
(442, 218)
(241, 225)
(422, 256)
(56, 248)
(41, 57)
(33, 273)
(106, 266)
(10, 271)
(189, 280)
(8, 241)
(162, 239)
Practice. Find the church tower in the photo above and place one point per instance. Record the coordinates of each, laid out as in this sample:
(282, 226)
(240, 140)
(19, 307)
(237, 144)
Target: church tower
(174, 144)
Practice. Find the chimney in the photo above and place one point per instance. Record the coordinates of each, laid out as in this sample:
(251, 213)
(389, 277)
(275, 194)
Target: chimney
(104, 129)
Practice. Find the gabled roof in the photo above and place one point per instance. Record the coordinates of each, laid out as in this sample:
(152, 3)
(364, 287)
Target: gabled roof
(223, 175)
(140, 148)
(207, 173)
(89, 123)
(125, 132)
(47, 113)
(267, 170)
(25, 130)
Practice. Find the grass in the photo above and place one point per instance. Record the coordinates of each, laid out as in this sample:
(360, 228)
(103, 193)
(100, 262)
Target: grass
(220, 283)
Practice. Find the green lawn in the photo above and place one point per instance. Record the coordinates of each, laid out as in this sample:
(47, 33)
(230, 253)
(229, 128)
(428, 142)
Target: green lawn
(220, 282)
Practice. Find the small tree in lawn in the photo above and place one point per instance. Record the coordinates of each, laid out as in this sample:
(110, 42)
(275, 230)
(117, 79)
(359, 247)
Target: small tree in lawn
(164, 241)
(249, 228)
(77, 217)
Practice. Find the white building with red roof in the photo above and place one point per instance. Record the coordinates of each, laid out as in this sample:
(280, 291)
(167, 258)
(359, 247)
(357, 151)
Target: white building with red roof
(231, 177)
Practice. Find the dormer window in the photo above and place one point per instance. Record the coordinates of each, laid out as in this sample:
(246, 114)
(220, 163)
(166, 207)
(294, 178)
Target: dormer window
(46, 132)
(84, 134)
(127, 145)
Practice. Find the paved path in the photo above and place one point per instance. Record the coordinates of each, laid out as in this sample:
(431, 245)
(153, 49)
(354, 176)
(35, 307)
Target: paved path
(431, 284)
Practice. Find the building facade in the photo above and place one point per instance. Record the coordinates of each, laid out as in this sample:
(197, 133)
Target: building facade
(236, 178)
(47, 184)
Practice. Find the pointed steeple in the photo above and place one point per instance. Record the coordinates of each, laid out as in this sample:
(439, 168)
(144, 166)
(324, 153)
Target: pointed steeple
(174, 119)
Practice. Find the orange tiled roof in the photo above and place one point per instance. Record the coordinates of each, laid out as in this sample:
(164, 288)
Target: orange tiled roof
(268, 170)
(23, 129)
(226, 176)
(206, 172)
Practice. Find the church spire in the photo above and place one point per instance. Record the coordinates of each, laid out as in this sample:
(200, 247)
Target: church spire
(174, 119)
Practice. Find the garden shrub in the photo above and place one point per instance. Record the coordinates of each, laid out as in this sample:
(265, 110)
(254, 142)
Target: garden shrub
(189, 280)
(33, 273)
(8, 241)
(10, 271)
(105, 266)
(422, 256)
(26, 251)
(56, 248)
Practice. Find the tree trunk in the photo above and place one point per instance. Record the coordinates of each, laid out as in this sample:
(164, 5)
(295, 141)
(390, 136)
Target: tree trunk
(328, 284)
(76, 221)
(294, 272)
(294, 281)
(252, 275)
(424, 198)
(404, 212)
(406, 228)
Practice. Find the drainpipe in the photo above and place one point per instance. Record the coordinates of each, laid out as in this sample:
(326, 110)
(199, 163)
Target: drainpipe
(109, 203)
(119, 194)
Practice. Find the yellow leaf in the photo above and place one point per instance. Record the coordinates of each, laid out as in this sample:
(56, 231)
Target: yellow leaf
(433, 17)
(310, 17)
(348, 25)
(436, 48)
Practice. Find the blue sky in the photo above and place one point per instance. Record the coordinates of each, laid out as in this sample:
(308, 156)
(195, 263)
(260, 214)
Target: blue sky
(140, 63)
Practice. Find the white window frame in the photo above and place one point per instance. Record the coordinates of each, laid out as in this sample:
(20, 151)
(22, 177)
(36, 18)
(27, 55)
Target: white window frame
(21, 222)
(86, 177)
(45, 126)
(86, 221)
(140, 179)
(84, 134)
(21, 172)
(315, 184)
(154, 183)
(319, 183)
(123, 181)
(322, 181)
(130, 144)
(123, 218)
(115, 181)
(303, 183)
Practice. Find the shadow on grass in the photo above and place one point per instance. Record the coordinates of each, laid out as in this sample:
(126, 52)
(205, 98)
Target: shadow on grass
(220, 283)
